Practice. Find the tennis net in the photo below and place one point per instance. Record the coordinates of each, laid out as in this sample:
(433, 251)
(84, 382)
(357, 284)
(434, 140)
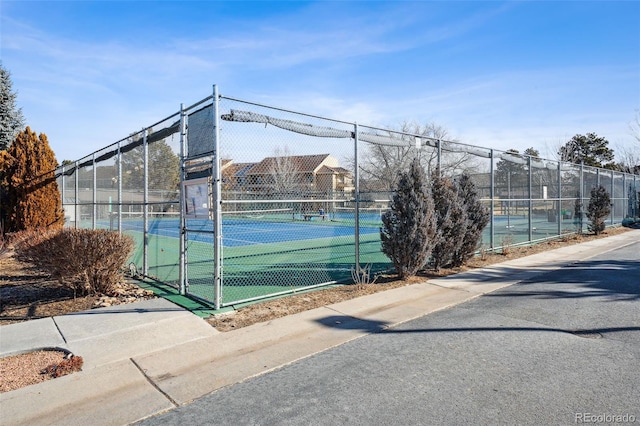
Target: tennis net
(134, 221)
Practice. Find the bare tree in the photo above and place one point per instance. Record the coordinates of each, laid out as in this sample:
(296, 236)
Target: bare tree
(635, 127)
(629, 156)
(284, 174)
(628, 159)
(381, 164)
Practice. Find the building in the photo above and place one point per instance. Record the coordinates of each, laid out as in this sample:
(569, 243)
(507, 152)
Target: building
(288, 174)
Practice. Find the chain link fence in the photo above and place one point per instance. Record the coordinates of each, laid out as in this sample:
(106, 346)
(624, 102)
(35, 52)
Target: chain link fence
(231, 201)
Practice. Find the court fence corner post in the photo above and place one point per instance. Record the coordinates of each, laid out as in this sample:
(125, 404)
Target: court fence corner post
(492, 212)
(145, 202)
(182, 275)
(217, 202)
(357, 199)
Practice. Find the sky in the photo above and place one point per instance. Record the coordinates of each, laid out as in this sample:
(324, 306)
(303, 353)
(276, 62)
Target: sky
(495, 74)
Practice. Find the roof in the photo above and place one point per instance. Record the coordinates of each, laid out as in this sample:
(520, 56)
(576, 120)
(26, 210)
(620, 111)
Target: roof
(299, 163)
(238, 169)
(333, 170)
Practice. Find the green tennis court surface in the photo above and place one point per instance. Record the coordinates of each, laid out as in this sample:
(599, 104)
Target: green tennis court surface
(263, 257)
(260, 269)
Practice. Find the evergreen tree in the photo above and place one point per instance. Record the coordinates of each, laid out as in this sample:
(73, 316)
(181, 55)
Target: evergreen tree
(164, 168)
(598, 209)
(11, 120)
(591, 149)
(511, 177)
(451, 220)
(477, 219)
(28, 187)
(409, 226)
(577, 212)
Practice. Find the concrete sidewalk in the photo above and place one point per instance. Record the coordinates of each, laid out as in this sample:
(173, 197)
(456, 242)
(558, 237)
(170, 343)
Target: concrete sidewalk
(152, 356)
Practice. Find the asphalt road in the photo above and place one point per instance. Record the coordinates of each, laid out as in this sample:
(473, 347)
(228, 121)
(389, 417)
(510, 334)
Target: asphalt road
(562, 348)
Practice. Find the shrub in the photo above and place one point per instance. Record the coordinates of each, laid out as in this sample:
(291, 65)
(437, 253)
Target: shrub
(506, 244)
(64, 367)
(599, 208)
(451, 221)
(362, 276)
(577, 212)
(29, 193)
(87, 261)
(477, 219)
(409, 226)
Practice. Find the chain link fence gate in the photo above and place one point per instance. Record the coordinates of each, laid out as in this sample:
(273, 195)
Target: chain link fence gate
(231, 201)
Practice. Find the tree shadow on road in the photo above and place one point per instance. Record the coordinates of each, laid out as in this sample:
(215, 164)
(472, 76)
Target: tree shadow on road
(344, 322)
(611, 280)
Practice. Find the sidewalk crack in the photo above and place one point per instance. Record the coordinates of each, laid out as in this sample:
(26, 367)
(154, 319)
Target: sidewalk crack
(59, 331)
(152, 383)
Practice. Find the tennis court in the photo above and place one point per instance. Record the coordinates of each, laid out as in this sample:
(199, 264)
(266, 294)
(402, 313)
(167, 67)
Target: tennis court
(250, 227)
(264, 251)
(518, 228)
(267, 252)
(282, 186)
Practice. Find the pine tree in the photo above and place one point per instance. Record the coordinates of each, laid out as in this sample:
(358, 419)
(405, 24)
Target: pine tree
(598, 209)
(409, 226)
(477, 219)
(590, 149)
(11, 120)
(164, 168)
(28, 187)
(451, 221)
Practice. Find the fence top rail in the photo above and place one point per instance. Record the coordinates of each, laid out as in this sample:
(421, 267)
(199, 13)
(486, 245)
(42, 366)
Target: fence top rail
(447, 145)
(415, 135)
(294, 200)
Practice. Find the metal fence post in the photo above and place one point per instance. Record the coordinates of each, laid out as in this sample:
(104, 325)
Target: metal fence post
(636, 206)
(613, 199)
(581, 195)
(95, 192)
(119, 162)
(145, 206)
(624, 191)
(182, 267)
(559, 212)
(62, 192)
(76, 212)
(357, 200)
(217, 201)
(439, 158)
(492, 203)
(530, 201)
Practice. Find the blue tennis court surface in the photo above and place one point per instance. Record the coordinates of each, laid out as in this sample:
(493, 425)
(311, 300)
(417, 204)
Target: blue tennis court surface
(250, 234)
(236, 234)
